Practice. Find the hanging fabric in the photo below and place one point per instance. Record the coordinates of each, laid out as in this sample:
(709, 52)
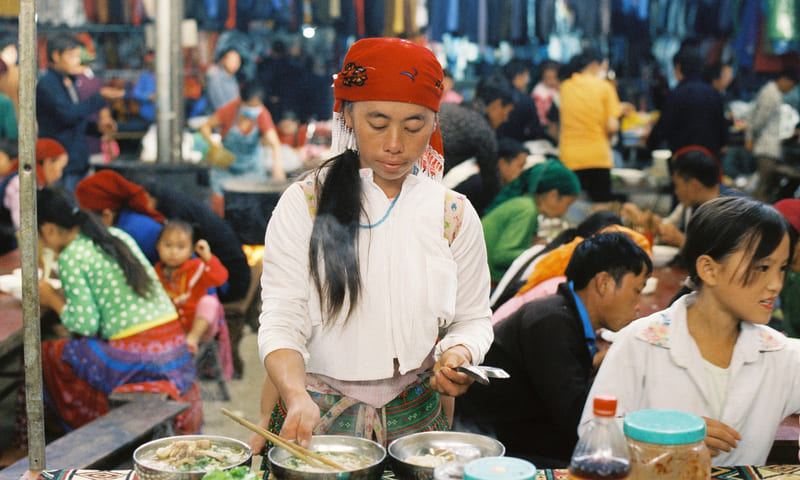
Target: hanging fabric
(745, 42)
(373, 18)
(782, 32)
(482, 27)
(531, 20)
(545, 19)
(102, 11)
(519, 15)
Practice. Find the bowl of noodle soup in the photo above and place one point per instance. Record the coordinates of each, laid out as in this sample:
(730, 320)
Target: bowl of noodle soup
(188, 457)
(362, 458)
(415, 456)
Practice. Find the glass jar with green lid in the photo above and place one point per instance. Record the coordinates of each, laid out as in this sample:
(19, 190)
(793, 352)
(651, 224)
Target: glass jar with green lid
(667, 444)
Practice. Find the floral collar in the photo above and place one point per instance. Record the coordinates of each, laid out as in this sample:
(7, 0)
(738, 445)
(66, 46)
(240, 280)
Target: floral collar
(661, 329)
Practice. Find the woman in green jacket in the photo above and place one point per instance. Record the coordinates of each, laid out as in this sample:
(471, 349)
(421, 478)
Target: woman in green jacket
(512, 219)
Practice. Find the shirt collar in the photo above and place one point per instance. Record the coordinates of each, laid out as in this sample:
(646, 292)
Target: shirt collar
(588, 329)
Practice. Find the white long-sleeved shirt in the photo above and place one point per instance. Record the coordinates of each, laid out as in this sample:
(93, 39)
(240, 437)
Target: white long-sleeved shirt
(655, 363)
(764, 124)
(413, 284)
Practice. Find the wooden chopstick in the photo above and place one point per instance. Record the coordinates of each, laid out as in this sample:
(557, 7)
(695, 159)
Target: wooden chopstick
(302, 453)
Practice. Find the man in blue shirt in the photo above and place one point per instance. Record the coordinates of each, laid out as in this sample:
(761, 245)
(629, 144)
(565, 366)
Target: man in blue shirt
(548, 346)
(61, 114)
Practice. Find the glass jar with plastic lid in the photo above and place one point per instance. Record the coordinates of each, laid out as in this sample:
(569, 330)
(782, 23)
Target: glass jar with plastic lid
(667, 444)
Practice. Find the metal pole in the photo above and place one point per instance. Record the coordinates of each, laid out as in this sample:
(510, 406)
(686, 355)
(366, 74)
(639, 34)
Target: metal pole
(28, 235)
(176, 53)
(164, 113)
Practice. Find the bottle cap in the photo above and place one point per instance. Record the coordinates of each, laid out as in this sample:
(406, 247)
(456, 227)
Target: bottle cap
(664, 427)
(605, 405)
(499, 468)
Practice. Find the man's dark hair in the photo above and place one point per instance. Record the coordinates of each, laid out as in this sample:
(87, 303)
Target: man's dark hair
(690, 61)
(698, 165)
(514, 67)
(7, 40)
(494, 87)
(61, 42)
(590, 54)
(791, 74)
(250, 90)
(225, 51)
(508, 148)
(612, 252)
(713, 71)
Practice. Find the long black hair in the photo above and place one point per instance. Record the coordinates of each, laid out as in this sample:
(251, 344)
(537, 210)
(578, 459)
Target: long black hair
(57, 206)
(335, 233)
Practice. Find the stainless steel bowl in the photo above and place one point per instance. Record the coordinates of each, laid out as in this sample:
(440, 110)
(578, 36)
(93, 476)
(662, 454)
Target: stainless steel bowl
(426, 442)
(331, 443)
(146, 471)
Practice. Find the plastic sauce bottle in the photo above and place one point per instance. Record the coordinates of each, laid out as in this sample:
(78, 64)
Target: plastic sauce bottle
(602, 451)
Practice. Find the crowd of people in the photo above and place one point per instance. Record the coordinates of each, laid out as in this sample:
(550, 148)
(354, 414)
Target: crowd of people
(416, 246)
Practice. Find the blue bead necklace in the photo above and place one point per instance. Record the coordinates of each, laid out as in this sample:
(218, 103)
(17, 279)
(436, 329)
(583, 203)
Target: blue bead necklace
(384, 215)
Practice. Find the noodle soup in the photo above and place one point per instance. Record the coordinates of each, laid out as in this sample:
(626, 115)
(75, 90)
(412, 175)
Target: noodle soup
(188, 456)
(194, 455)
(348, 460)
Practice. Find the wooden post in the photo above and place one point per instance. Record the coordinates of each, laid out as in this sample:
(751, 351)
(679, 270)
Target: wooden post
(29, 255)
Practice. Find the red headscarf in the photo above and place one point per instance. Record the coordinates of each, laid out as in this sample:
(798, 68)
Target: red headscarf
(45, 148)
(389, 69)
(109, 189)
(394, 70)
(790, 208)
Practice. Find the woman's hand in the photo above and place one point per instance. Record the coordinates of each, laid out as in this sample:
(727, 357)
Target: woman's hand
(278, 175)
(256, 441)
(670, 234)
(49, 297)
(720, 437)
(301, 417)
(445, 379)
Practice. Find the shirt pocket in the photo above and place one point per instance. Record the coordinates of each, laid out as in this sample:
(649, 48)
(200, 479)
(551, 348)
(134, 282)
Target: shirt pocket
(442, 286)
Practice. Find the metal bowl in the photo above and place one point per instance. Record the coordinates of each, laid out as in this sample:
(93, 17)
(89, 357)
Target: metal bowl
(146, 471)
(331, 443)
(425, 442)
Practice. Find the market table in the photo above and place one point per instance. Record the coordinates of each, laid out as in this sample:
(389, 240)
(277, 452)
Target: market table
(772, 472)
(670, 280)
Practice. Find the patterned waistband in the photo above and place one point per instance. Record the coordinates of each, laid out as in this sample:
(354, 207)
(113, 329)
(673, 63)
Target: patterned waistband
(416, 409)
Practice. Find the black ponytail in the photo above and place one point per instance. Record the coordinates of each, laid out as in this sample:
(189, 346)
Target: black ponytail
(58, 207)
(335, 233)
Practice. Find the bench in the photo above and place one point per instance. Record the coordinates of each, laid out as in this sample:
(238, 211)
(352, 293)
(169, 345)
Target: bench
(110, 440)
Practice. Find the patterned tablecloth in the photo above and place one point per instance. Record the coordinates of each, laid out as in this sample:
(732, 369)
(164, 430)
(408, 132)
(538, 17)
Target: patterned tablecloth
(773, 472)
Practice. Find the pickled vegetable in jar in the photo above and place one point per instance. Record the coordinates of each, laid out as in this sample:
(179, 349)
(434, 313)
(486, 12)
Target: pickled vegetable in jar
(667, 444)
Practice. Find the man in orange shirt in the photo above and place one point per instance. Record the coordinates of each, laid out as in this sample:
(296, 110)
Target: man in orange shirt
(590, 111)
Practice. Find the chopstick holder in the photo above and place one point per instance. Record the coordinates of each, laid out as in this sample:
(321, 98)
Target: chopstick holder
(302, 453)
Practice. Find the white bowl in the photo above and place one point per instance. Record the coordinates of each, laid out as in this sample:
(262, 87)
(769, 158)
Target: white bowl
(663, 254)
(629, 176)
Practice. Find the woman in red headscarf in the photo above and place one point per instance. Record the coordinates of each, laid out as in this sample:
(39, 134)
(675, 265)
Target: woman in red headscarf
(124, 205)
(373, 271)
(51, 158)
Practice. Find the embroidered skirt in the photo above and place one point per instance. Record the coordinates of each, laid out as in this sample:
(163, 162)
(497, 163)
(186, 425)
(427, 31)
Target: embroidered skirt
(80, 374)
